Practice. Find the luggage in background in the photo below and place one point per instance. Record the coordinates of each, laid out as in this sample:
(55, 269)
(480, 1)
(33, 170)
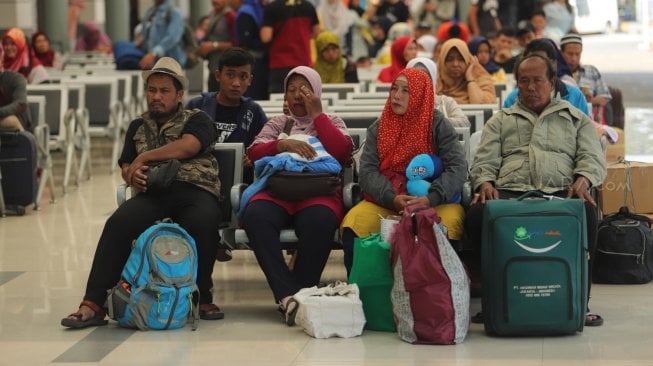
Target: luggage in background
(534, 259)
(18, 167)
(624, 250)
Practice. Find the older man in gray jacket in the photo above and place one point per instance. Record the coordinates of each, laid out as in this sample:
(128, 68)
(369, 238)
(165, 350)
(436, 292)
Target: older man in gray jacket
(540, 143)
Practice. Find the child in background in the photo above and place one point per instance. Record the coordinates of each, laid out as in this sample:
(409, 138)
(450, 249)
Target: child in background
(481, 48)
(538, 21)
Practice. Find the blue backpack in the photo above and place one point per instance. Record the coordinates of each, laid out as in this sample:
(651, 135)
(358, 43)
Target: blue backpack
(158, 281)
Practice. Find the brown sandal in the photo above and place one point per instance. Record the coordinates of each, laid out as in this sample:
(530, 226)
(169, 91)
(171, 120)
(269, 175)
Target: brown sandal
(75, 320)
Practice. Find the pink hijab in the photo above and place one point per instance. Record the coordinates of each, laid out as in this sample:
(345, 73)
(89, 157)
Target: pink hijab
(303, 125)
(87, 43)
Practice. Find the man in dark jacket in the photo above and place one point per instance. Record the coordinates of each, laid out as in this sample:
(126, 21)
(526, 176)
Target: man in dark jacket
(13, 99)
(237, 118)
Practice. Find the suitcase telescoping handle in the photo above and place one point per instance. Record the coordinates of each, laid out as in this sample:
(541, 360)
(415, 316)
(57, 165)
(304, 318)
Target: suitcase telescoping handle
(538, 194)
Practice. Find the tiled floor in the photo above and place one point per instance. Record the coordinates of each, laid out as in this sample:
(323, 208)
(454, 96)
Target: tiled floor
(45, 257)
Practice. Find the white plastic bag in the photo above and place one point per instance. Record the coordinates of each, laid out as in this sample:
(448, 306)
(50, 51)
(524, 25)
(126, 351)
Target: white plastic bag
(331, 311)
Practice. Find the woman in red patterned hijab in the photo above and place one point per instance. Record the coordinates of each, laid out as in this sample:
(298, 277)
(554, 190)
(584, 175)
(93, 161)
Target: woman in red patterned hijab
(408, 127)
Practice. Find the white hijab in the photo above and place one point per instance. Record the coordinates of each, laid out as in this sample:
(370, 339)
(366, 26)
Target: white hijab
(423, 62)
(428, 42)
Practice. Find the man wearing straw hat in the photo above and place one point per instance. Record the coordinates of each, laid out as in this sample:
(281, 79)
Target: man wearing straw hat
(164, 132)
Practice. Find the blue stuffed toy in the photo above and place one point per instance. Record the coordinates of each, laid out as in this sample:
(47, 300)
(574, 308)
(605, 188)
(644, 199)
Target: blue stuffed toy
(421, 171)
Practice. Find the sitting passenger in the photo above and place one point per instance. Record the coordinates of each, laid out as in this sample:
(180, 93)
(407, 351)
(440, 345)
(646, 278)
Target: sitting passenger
(403, 50)
(554, 146)
(565, 86)
(191, 200)
(20, 58)
(237, 118)
(408, 126)
(314, 219)
(481, 48)
(13, 99)
(332, 66)
(44, 52)
(443, 103)
(567, 90)
(462, 77)
(93, 39)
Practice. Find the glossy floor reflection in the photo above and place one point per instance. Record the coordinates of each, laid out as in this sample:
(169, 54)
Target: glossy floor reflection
(45, 257)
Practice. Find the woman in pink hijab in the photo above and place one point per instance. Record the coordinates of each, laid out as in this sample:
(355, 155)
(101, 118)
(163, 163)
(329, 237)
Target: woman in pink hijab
(315, 219)
(93, 39)
(20, 58)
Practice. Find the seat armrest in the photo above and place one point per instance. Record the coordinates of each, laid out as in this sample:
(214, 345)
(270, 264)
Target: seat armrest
(235, 194)
(121, 194)
(467, 195)
(351, 195)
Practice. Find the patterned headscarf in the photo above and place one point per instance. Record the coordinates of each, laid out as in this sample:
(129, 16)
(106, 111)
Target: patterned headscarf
(402, 137)
(20, 63)
(329, 72)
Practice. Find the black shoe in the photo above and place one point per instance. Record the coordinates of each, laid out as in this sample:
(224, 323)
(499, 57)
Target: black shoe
(224, 255)
(478, 318)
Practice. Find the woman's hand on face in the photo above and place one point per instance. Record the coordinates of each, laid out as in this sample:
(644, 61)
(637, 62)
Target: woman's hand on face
(312, 103)
(469, 73)
(301, 148)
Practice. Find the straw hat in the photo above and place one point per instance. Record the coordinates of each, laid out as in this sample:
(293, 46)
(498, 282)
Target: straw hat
(168, 66)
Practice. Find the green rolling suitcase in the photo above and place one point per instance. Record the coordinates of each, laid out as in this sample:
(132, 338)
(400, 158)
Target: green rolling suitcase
(534, 263)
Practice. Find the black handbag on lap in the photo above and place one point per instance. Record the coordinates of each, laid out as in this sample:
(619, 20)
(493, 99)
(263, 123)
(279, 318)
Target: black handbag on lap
(298, 186)
(161, 174)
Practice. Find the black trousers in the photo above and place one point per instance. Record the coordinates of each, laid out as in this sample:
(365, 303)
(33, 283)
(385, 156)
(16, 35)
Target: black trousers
(315, 227)
(193, 208)
(474, 229)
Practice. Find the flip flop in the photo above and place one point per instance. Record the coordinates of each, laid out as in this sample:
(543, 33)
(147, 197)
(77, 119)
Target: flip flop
(210, 312)
(74, 321)
(291, 311)
(596, 320)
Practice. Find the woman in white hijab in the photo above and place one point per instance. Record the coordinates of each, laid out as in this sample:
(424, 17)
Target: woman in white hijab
(443, 103)
(426, 45)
